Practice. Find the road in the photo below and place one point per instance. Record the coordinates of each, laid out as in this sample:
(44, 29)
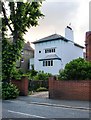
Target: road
(22, 109)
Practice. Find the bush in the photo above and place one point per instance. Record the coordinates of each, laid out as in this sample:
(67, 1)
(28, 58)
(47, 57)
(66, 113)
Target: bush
(78, 69)
(17, 74)
(30, 74)
(41, 89)
(9, 91)
(42, 76)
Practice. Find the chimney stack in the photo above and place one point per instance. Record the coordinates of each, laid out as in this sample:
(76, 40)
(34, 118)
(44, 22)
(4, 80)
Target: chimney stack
(69, 33)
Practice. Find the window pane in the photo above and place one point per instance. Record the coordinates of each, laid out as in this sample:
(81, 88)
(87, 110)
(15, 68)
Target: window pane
(52, 50)
(48, 63)
(51, 62)
(43, 63)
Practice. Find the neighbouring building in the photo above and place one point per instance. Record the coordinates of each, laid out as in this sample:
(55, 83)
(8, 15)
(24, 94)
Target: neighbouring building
(52, 53)
(88, 45)
(27, 53)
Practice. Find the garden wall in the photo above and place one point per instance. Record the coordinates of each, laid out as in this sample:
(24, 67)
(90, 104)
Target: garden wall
(22, 85)
(72, 90)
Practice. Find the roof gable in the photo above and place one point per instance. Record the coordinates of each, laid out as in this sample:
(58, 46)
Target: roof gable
(28, 47)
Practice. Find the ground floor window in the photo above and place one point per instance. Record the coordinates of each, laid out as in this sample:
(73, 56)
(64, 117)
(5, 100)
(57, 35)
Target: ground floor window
(48, 63)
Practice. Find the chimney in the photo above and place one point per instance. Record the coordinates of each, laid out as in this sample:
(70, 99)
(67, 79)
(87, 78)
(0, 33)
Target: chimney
(28, 43)
(69, 34)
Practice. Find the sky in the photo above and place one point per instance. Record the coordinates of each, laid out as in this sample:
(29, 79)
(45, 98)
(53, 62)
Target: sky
(59, 14)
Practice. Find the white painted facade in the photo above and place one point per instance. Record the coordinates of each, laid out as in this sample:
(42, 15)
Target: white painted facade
(65, 51)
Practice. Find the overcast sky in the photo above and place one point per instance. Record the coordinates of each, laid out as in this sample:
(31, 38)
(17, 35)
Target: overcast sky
(58, 15)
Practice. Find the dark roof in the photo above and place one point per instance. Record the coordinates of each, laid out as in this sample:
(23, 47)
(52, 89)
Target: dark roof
(51, 57)
(51, 38)
(78, 45)
(55, 37)
(28, 47)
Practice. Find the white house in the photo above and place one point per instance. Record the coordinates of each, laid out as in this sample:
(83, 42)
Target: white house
(52, 53)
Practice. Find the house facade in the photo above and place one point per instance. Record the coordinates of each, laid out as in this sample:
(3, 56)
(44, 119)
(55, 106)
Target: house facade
(27, 53)
(52, 53)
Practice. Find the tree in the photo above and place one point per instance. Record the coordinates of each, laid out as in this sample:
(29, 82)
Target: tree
(21, 17)
(78, 69)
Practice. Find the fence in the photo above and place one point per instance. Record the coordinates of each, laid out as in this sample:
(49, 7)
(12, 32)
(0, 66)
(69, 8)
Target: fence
(35, 84)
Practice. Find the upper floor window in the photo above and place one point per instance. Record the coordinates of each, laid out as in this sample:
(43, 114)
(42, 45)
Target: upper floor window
(39, 51)
(50, 50)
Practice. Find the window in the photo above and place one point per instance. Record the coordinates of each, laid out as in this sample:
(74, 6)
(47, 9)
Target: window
(51, 62)
(50, 50)
(44, 63)
(48, 63)
(39, 51)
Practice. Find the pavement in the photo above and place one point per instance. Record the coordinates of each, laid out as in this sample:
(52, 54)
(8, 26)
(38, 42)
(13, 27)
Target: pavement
(41, 98)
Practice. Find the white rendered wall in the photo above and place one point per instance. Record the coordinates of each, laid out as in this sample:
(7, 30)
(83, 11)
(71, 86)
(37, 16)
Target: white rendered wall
(67, 51)
(31, 63)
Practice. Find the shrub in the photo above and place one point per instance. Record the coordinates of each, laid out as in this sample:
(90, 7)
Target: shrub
(41, 89)
(17, 74)
(42, 76)
(30, 74)
(78, 69)
(9, 91)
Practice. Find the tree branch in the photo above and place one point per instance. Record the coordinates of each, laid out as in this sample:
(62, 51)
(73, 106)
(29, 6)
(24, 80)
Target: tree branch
(6, 19)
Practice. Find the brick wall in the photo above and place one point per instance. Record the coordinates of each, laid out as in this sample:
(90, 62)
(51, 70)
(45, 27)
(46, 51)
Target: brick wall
(22, 85)
(72, 90)
(88, 46)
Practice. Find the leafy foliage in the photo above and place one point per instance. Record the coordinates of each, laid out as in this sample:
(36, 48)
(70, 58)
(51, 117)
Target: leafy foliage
(42, 76)
(9, 91)
(22, 16)
(78, 69)
(41, 89)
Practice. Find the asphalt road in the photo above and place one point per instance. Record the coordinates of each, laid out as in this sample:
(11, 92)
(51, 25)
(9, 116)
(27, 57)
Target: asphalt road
(22, 109)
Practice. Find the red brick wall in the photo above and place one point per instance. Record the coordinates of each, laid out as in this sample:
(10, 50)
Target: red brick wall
(72, 90)
(22, 85)
(88, 46)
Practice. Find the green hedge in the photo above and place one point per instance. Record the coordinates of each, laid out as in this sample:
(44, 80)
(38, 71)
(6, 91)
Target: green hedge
(78, 69)
(9, 91)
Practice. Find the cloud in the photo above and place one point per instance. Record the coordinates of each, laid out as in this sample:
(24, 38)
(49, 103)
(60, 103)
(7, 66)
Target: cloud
(57, 16)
